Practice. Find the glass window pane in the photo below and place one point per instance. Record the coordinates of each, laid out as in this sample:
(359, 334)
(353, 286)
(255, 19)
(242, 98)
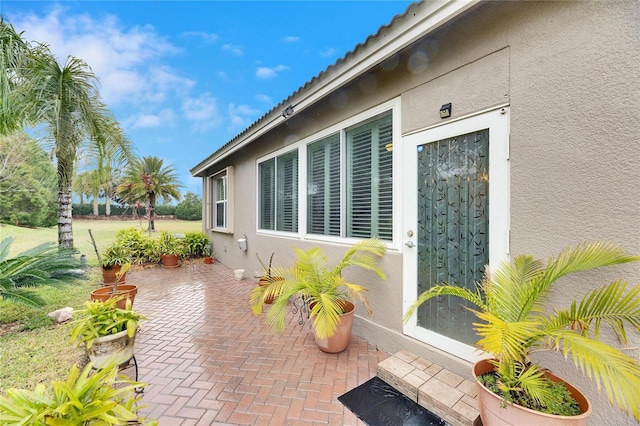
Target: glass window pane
(287, 195)
(267, 194)
(323, 186)
(370, 180)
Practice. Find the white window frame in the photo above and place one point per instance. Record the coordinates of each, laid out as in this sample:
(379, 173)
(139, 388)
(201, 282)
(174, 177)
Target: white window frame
(275, 155)
(227, 175)
(392, 106)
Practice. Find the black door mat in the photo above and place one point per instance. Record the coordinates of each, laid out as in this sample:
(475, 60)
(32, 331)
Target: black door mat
(377, 403)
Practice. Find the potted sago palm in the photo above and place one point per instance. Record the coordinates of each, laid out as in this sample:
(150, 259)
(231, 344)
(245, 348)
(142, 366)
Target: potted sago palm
(329, 297)
(514, 321)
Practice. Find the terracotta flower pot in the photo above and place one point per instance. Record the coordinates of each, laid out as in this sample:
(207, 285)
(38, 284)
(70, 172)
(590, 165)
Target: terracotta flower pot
(109, 275)
(127, 291)
(492, 413)
(340, 340)
(170, 261)
(208, 260)
(116, 348)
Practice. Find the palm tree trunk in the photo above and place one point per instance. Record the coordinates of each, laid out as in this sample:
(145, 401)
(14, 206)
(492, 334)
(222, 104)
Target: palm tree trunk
(65, 232)
(152, 210)
(107, 207)
(95, 206)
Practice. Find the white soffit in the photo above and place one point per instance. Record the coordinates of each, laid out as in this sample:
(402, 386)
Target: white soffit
(418, 21)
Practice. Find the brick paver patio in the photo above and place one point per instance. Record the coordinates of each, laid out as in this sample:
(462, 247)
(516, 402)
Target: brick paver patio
(209, 361)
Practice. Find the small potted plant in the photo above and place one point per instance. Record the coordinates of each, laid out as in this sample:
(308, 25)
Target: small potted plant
(122, 292)
(514, 321)
(106, 331)
(171, 249)
(112, 259)
(85, 397)
(209, 256)
(329, 297)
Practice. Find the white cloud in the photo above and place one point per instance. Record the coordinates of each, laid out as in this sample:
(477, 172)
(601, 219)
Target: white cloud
(265, 72)
(124, 59)
(204, 36)
(163, 118)
(291, 39)
(264, 98)
(202, 112)
(242, 115)
(233, 48)
(329, 51)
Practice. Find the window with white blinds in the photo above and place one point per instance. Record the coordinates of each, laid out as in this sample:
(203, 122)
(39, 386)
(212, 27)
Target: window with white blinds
(323, 186)
(370, 180)
(368, 173)
(278, 182)
(220, 188)
(220, 216)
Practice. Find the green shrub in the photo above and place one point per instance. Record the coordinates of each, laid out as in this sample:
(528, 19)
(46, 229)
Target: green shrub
(139, 246)
(197, 244)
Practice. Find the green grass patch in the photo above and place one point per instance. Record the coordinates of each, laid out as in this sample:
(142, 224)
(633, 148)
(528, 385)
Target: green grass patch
(104, 232)
(37, 350)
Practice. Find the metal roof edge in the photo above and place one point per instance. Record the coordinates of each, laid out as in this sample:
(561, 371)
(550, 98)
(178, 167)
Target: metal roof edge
(418, 20)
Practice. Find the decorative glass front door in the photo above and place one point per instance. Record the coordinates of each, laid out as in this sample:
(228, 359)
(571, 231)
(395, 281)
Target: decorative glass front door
(456, 218)
(453, 225)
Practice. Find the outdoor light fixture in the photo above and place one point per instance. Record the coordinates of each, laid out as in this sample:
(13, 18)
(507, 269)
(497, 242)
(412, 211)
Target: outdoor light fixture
(445, 111)
(287, 112)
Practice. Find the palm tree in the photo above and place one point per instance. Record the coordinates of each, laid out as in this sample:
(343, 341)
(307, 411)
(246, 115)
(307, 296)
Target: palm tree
(66, 100)
(148, 179)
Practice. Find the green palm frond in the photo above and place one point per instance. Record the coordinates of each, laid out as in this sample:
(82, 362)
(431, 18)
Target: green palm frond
(41, 265)
(612, 370)
(505, 340)
(475, 297)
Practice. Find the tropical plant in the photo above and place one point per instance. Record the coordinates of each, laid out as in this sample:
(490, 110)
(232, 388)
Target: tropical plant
(41, 265)
(170, 244)
(99, 319)
(514, 321)
(140, 247)
(87, 397)
(148, 179)
(196, 244)
(115, 254)
(321, 287)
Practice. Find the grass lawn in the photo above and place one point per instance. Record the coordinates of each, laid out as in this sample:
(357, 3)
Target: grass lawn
(104, 232)
(32, 348)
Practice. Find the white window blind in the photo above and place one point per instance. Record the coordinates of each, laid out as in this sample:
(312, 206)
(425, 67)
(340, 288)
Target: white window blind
(221, 202)
(278, 182)
(323, 182)
(369, 180)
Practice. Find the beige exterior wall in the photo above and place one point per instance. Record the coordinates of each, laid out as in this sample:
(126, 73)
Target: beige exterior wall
(570, 73)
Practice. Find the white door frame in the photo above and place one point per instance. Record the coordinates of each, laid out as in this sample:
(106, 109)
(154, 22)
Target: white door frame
(497, 121)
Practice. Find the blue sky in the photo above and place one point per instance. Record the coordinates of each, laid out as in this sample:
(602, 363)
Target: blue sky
(184, 77)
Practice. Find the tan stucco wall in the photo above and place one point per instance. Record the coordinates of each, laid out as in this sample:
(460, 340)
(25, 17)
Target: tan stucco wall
(570, 73)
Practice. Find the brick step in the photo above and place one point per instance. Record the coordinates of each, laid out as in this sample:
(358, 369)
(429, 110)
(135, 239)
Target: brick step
(444, 393)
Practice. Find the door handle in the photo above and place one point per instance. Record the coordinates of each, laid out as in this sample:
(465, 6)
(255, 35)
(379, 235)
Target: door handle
(409, 244)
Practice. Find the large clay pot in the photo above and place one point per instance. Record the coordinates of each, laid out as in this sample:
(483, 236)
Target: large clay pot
(109, 275)
(340, 340)
(492, 413)
(115, 348)
(126, 291)
(170, 261)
